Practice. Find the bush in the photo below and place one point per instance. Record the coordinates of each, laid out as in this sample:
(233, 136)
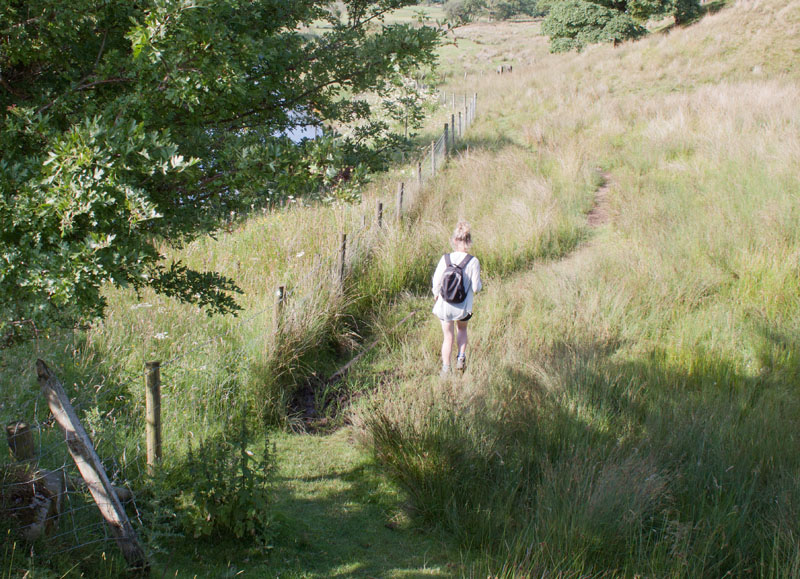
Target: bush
(458, 11)
(221, 490)
(573, 24)
(463, 11)
(686, 10)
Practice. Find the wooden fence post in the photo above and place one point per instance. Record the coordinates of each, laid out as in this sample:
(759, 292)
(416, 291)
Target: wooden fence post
(20, 440)
(91, 468)
(433, 158)
(400, 190)
(446, 140)
(280, 297)
(460, 130)
(419, 174)
(379, 214)
(453, 131)
(153, 414)
(342, 257)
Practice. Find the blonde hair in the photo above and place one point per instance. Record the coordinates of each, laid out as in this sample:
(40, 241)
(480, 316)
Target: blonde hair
(462, 234)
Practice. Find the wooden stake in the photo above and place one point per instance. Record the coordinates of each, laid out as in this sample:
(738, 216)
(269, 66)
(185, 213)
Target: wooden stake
(400, 190)
(446, 139)
(380, 214)
(153, 414)
(433, 158)
(91, 469)
(342, 257)
(280, 296)
(20, 440)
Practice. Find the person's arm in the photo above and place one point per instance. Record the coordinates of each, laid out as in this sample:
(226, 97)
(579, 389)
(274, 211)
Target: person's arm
(475, 275)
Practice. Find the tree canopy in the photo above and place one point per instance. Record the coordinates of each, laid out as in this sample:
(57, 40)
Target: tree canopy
(126, 125)
(572, 24)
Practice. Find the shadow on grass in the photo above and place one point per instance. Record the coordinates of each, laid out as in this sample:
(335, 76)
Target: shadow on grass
(665, 462)
(344, 524)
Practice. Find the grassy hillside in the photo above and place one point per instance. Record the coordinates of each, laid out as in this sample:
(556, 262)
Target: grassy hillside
(631, 409)
(630, 406)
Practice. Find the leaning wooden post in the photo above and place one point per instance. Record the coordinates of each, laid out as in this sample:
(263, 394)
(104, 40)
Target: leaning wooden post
(446, 140)
(342, 257)
(400, 190)
(91, 469)
(280, 297)
(153, 414)
(379, 214)
(20, 440)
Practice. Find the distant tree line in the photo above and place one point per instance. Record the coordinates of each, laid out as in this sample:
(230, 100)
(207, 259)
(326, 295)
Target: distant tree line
(463, 11)
(572, 24)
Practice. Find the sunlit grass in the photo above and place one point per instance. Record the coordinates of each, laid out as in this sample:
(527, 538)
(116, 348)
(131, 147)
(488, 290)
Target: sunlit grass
(630, 404)
(629, 409)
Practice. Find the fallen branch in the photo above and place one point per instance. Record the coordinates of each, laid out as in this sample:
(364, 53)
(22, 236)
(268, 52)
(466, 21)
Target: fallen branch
(339, 374)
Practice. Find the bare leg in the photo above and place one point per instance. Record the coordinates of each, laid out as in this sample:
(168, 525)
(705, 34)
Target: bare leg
(447, 342)
(461, 337)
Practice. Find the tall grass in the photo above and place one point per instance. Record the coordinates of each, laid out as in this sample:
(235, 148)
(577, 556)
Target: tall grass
(630, 403)
(631, 409)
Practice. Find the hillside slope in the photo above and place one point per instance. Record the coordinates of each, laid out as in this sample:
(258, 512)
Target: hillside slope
(630, 405)
(633, 409)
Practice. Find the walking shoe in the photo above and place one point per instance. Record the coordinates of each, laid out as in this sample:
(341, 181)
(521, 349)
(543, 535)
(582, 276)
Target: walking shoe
(461, 363)
(445, 371)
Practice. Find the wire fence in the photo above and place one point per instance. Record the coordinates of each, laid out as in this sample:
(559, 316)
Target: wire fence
(42, 492)
(43, 496)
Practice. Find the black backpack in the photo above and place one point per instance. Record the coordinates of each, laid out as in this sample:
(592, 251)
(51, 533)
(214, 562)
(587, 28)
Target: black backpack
(453, 280)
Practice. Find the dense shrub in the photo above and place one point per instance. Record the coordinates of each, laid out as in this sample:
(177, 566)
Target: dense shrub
(463, 11)
(220, 490)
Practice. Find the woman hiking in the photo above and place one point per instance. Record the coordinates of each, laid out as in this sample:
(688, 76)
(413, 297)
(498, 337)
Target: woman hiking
(454, 307)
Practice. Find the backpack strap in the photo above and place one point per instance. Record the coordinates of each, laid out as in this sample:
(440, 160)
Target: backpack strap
(464, 261)
(447, 260)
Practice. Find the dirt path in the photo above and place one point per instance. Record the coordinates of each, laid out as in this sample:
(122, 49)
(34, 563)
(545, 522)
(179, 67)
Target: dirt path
(600, 212)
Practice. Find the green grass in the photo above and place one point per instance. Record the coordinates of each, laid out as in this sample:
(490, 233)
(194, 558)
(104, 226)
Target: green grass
(630, 405)
(335, 515)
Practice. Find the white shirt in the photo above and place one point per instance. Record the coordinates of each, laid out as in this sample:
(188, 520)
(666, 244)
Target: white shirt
(446, 311)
